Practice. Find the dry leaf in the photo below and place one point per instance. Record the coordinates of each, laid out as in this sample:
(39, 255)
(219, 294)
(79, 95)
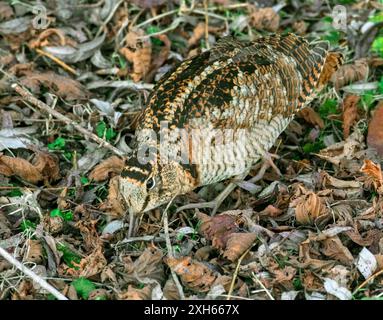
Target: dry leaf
(198, 33)
(300, 27)
(92, 264)
(159, 58)
(218, 229)
(329, 181)
(334, 248)
(195, 275)
(148, 265)
(311, 117)
(114, 204)
(136, 294)
(48, 165)
(170, 290)
(237, 244)
(350, 113)
(34, 252)
(63, 87)
(265, 19)
(6, 11)
(20, 167)
(140, 58)
(308, 208)
(107, 169)
(374, 175)
(349, 73)
(375, 130)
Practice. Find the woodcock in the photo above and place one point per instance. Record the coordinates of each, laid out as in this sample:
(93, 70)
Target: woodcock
(251, 90)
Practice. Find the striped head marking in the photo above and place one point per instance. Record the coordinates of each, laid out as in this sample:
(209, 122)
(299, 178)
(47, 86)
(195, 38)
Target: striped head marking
(145, 186)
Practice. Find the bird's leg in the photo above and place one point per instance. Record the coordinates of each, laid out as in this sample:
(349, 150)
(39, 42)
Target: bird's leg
(216, 203)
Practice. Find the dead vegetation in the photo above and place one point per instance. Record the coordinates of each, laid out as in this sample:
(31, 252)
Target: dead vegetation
(314, 233)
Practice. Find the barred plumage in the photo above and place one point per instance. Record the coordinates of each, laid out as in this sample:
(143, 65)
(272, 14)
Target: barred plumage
(251, 88)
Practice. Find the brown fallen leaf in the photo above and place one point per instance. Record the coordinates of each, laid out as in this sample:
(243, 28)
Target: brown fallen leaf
(48, 165)
(334, 248)
(34, 251)
(375, 130)
(218, 229)
(140, 58)
(159, 58)
(349, 73)
(264, 19)
(350, 113)
(309, 207)
(92, 264)
(6, 11)
(170, 290)
(148, 265)
(328, 181)
(107, 169)
(198, 33)
(133, 293)
(114, 204)
(311, 117)
(237, 244)
(64, 87)
(300, 27)
(194, 275)
(374, 175)
(10, 166)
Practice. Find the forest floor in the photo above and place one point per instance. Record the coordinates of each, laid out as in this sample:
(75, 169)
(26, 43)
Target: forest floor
(73, 79)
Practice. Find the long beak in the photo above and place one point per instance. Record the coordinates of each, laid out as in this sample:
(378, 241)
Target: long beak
(132, 223)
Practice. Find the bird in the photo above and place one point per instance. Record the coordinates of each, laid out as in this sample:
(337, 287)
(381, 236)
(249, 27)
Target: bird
(218, 113)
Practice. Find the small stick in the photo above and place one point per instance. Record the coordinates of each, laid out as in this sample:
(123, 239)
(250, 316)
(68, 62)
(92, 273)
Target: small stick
(40, 281)
(368, 280)
(206, 4)
(170, 250)
(263, 286)
(236, 274)
(38, 103)
(58, 61)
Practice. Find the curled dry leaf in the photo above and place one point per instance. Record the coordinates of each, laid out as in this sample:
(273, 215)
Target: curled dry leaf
(309, 207)
(34, 252)
(63, 87)
(265, 19)
(375, 130)
(43, 38)
(300, 27)
(114, 204)
(6, 11)
(329, 181)
(374, 175)
(92, 264)
(140, 58)
(334, 248)
(136, 293)
(311, 117)
(218, 229)
(48, 165)
(148, 265)
(237, 244)
(107, 169)
(350, 113)
(10, 166)
(349, 73)
(195, 275)
(198, 33)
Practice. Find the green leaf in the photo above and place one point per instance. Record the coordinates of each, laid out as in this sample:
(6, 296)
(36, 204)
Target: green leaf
(56, 213)
(83, 287)
(333, 37)
(58, 144)
(110, 134)
(377, 46)
(68, 256)
(84, 180)
(15, 193)
(100, 129)
(380, 86)
(68, 216)
(328, 107)
(368, 99)
(151, 30)
(28, 225)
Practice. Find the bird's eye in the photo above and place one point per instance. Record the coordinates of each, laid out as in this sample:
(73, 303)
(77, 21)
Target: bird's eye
(150, 183)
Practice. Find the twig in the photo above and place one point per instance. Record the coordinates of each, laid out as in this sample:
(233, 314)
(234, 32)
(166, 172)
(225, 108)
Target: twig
(263, 286)
(41, 282)
(372, 277)
(58, 61)
(170, 250)
(38, 103)
(236, 274)
(108, 18)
